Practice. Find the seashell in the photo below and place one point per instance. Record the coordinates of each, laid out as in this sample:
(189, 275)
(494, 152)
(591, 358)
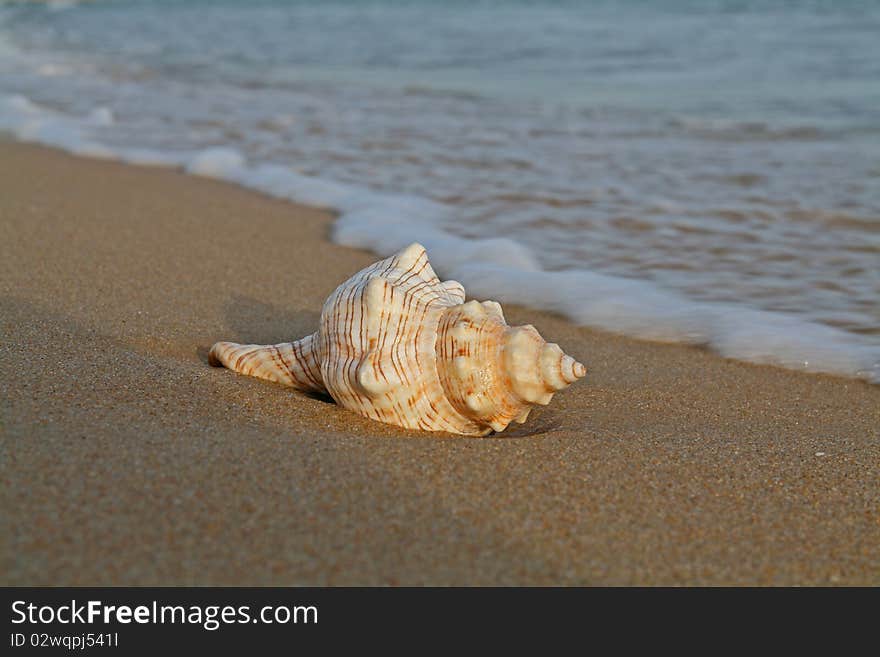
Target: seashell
(398, 345)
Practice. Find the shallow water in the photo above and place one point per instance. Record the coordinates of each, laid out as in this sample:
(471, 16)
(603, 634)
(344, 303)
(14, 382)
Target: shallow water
(706, 172)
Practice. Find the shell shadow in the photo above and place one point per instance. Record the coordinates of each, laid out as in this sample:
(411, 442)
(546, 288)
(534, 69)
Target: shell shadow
(537, 426)
(317, 396)
(256, 322)
(202, 354)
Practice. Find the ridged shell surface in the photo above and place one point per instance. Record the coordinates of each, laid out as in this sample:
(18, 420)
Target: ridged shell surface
(377, 338)
(398, 345)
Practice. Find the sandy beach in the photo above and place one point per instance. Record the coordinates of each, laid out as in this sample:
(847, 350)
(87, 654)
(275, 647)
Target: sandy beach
(127, 460)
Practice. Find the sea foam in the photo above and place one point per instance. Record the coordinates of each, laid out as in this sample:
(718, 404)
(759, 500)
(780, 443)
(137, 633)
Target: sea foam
(498, 268)
(28, 122)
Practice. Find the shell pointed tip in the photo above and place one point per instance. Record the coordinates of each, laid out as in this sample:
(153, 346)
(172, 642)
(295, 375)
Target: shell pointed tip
(571, 370)
(412, 252)
(214, 354)
(410, 255)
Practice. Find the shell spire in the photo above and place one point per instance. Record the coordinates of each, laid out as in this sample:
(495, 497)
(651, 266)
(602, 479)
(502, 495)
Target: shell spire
(495, 372)
(398, 345)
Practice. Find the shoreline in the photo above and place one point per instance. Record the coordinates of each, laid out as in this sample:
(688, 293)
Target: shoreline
(130, 461)
(492, 266)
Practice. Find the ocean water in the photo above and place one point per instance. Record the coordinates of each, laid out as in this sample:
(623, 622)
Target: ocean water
(702, 171)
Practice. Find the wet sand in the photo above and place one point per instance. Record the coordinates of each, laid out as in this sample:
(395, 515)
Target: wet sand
(127, 460)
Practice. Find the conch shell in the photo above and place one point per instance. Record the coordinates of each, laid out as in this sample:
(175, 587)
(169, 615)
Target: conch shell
(398, 345)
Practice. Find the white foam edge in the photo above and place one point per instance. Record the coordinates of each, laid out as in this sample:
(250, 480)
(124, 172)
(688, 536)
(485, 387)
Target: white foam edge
(26, 121)
(497, 268)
